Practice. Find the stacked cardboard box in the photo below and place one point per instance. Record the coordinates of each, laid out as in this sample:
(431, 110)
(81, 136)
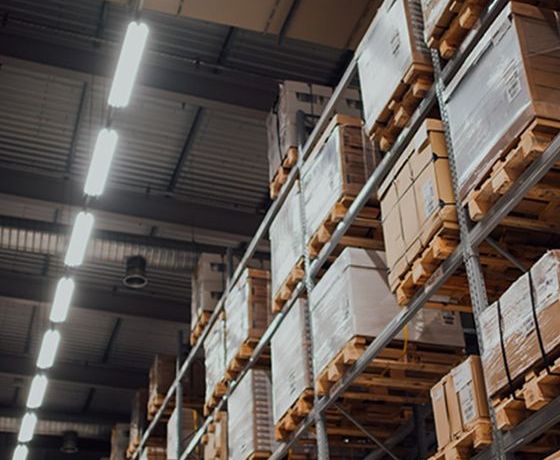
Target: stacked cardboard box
(119, 441)
(215, 440)
(395, 69)
(290, 359)
(459, 402)
(334, 173)
(189, 423)
(506, 82)
(295, 96)
(162, 374)
(250, 427)
(215, 359)
(417, 200)
(353, 299)
(286, 247)
(208, 283)
(513, 314)
(247, 310)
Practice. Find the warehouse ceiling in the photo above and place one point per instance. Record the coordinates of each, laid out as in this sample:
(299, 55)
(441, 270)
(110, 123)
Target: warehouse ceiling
(190, 175)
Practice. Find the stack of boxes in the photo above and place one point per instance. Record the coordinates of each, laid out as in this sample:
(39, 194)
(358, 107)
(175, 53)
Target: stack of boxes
(291, 365)
(511, 327)
(506, 83)
(353, 299)
(417, 204)
(250, 427)
(460, 405)
(208, 283)
(247, 315)
(395, 69)
(162, 374)
(215, 363)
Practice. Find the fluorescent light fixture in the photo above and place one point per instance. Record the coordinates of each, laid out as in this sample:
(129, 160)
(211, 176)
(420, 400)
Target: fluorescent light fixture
(103, 152)
(49, 347)
(129, 61)
(37, 391)
(27, 428)
(79, 239)
(62, 299)
(20, 452)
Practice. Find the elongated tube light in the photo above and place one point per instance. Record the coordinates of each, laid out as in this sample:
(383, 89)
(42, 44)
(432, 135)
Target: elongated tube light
(37, 391)
(20, 452)
(101, 159)
(27, 428)
(48, 350)
(62, 299)
(129, 62)
(79, 239)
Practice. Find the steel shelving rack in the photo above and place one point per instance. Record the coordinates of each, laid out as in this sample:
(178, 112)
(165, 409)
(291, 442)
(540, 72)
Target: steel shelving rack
(471, 236)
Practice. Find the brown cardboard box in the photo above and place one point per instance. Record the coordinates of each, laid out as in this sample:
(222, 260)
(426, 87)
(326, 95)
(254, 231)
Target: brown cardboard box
(459, 401)
(522, 352)
(416, 199)
(441, 413)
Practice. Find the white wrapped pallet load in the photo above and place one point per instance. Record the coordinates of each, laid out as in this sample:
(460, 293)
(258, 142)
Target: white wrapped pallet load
(250, 427)
(353, 299)
(393, 57)
(189, 419)
(215, 354)
(290, 360)
(247, 310)
(503, 85)
(286, 240)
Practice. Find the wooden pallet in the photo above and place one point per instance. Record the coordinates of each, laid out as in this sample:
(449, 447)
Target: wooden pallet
(365, 231)
(537, 390)
(455, 22)
(399, 375)
(507, 169)
(288, 286)
(198, 328)
(219, 390)
(240, 359)
(133, 444)
(464, 447)
(294, 415)
(281, 176)
(428, 261)
(402, 103)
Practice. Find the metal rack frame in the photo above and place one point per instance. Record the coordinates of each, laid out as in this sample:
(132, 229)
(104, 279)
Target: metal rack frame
(466, 253)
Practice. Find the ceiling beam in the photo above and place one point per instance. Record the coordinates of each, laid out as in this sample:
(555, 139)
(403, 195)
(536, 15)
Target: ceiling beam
(35, 288)
(143, 205)
(88, 375)
(93, 418)
(159, 71)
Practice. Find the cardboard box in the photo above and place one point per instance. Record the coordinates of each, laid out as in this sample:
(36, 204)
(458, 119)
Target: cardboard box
(286, 239)
(290, 360)
(416, 198)
(162, 374)
(522, 351)
(138, 415)
(247, 310)
(189, 423)
(250, 427)
(353, 298)
(506, 81)
(215, 356)
(208, 282)
(392, 45)
(459, 401)
(338, 167)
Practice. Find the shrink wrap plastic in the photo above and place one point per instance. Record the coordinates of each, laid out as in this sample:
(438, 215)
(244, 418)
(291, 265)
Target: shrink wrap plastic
(250, 427)
(353, 298)
(290, 360)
